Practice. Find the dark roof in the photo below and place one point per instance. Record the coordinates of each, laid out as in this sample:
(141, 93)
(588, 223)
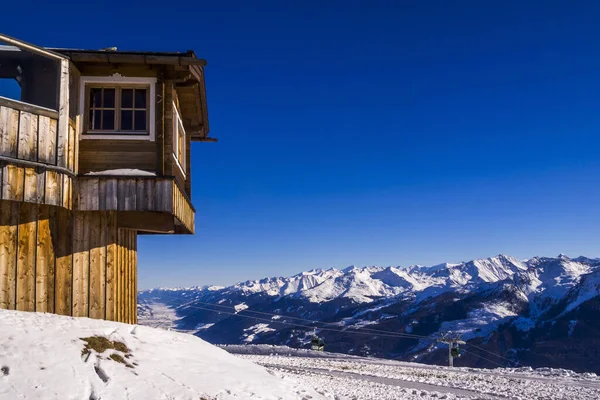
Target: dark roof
(135, 57)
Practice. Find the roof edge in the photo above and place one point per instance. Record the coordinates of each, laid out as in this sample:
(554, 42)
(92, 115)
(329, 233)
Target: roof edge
(31, 47)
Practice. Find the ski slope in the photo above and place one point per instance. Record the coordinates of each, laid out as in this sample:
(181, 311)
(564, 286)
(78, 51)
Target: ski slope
(42, 357)
(343, 377)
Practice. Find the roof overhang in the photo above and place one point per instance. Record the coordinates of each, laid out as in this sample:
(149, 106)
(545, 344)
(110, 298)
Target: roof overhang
(19, 44)
(131, 57)
(190, 84)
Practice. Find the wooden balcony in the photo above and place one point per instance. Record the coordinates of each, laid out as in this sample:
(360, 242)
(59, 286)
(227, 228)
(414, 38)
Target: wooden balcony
(37, 161)
(31, 136)
(145, 203)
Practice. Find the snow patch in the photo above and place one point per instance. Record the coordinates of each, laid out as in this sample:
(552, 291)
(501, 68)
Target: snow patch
(42, 357)
(121, 172)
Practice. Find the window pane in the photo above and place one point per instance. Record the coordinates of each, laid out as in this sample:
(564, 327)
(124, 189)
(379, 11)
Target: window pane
(140, 120)
(126, 98)
(140, 98)
(95, 119)
(109, 98)
(95, 97)
(108, 120)
(127, 120)
(181, 145)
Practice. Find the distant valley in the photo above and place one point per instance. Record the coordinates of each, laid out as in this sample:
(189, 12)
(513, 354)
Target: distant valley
(541, 312)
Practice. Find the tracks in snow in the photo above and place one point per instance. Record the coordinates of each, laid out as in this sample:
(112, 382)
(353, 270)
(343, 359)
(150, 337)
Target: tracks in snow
(346, 378)
(462, 393)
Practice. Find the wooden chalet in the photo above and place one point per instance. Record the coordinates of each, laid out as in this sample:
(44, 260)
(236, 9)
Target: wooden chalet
(95, 152)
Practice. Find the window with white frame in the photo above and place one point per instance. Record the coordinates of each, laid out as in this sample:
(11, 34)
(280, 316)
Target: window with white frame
(179, 143)
(116, 107)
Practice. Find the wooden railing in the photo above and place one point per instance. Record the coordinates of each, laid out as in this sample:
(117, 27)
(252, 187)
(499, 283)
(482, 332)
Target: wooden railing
(183, 209)
(134, 193)
(29, 135)
(35, 185)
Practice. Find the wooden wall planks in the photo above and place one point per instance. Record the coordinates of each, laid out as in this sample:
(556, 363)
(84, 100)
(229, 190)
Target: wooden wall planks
(26, 262)
(71, 263)
(35, 185)
(134, 194)
(125, 305)
(45, 261)
(9, 128)
(100, 155)
(124, 194)
(29, 136)
(9, 220)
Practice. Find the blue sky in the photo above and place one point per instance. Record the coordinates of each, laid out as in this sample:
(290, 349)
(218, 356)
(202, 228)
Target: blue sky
(369, 133)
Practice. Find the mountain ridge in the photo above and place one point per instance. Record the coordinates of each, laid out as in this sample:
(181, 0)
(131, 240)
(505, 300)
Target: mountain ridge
(500, 302)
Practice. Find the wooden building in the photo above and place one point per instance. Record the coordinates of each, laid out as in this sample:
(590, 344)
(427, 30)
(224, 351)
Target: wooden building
(95, 152)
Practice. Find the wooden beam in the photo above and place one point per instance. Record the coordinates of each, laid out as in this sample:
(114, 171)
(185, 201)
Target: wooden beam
(146, 221)
(27, 107)
(31, 47)
(63, 116)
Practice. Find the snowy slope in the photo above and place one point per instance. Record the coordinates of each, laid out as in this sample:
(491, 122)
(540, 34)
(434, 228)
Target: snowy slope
(376, 379)
(41, 358)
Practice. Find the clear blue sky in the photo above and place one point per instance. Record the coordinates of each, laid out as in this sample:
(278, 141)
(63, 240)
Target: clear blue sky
(369, 132)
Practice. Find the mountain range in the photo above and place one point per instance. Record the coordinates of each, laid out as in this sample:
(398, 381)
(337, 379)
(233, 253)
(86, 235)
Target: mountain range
(510, 312)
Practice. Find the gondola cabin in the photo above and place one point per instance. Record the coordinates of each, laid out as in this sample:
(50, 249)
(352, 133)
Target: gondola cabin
(317, 344)
(94, 150)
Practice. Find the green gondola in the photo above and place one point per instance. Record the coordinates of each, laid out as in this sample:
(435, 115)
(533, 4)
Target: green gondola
(455, 350)
(317, 344)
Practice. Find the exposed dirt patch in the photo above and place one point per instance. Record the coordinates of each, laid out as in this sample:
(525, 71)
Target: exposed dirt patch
(100, 344)
(117, 357)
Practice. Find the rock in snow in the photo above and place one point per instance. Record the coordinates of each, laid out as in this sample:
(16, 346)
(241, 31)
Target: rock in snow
(41, 358)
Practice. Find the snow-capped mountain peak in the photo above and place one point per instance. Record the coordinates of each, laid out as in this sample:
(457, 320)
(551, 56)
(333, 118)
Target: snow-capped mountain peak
(538, 275)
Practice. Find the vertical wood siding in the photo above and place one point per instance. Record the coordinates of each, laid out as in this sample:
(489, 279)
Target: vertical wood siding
(35, 185)
(71, 263)
(35, 136)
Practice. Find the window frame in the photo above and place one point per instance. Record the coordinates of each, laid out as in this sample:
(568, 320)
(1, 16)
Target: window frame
(117, 81)
(177, 124)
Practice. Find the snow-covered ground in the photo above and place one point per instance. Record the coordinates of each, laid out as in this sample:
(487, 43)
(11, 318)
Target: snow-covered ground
(42, 356)
(349, 377)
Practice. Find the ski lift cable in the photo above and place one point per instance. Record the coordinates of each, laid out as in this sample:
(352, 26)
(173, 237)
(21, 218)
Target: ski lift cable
(363, 331)
(357, 332)
(484, 358)
(304, 319)
(351, 331)
(490, 352)
(326, 329)
(374, 331)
